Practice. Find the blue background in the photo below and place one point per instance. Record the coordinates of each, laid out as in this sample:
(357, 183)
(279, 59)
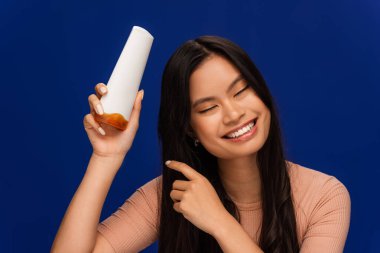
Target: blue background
(320, 58)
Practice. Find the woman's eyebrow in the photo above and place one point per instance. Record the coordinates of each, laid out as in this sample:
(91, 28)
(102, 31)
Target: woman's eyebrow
(230, 87)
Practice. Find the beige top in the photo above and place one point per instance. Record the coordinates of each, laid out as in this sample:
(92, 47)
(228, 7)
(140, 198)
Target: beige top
(322, 205)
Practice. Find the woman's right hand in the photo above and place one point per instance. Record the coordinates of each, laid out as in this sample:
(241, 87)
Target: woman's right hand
(106, 140)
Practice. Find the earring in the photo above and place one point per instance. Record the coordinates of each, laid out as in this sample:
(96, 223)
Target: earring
(196, 142)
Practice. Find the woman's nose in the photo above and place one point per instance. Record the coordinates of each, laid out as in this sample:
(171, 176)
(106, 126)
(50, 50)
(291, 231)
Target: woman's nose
(232, 113)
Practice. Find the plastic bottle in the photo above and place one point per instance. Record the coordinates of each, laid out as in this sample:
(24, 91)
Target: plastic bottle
(125, 79)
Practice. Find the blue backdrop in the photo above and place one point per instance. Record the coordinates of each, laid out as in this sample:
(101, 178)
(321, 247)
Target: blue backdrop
(320, 59)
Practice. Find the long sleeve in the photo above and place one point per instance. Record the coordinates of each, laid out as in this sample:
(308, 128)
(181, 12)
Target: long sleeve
(329, 219)
(134, 226)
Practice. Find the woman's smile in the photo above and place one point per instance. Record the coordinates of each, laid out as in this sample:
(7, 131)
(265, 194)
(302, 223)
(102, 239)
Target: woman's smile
(245, 133)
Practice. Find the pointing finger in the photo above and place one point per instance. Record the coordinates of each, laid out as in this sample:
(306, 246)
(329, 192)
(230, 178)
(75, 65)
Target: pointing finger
(186, 170)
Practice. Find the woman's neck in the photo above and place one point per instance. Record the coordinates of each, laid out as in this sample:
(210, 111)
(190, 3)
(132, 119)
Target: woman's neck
(241, 179)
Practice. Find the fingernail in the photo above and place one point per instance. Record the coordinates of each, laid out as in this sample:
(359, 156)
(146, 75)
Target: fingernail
(99, 109)
(101, 131)
(103, 89)
(167, 162)
(142, 95)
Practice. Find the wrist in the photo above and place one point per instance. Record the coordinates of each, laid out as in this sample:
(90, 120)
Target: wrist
(108, 158)
(223, 226)
(106, 165)
(231, 237)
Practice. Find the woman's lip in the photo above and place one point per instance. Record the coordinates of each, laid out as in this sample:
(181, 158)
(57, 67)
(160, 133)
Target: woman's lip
(243, 125)
(248, 135)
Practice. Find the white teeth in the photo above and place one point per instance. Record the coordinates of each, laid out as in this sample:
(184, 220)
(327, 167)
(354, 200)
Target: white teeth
(241, 131)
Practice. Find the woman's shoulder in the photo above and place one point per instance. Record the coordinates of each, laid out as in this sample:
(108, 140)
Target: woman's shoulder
(302, 177)
(311, 187)
(322, 206)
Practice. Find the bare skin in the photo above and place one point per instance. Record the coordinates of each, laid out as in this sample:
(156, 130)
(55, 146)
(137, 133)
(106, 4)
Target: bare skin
(241, 179)
(78, 229)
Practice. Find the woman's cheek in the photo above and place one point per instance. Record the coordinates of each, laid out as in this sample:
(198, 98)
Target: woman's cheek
(208, 125)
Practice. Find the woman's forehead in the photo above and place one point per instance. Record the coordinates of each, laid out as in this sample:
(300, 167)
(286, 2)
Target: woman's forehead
(214, 73)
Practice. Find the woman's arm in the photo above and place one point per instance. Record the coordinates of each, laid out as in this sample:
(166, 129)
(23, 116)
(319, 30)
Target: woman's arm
(78, 229)
(232, 238)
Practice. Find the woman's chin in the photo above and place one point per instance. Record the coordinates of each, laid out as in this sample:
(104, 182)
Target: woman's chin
(236, 152)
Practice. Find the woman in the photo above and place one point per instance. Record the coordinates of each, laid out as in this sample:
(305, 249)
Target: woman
(225, 186)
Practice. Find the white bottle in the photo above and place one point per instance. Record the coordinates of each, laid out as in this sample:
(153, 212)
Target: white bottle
(124, 82)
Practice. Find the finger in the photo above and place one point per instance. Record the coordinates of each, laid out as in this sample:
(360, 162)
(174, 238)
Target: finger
(100, 90)
(94, 103)
(186, 170)
(90, 123)
(135, 115)
(176, 195)
(177, 207)
(181, 185)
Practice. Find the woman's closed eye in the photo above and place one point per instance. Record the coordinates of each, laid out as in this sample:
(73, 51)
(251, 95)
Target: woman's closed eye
(208, 109)
(241, 91)
(237, 94)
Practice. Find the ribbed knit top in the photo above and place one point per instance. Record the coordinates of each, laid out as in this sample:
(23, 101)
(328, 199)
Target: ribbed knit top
(322, 206)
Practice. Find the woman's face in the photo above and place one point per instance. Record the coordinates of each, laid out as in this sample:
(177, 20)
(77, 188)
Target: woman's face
(234, 104)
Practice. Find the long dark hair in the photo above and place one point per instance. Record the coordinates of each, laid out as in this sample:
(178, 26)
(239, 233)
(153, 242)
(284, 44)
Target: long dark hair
(176, 234)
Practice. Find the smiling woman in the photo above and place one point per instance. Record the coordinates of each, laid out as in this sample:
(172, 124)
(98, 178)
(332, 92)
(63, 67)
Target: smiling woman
(226, 185)
(211, 72)
(234, 111)
(217, 116)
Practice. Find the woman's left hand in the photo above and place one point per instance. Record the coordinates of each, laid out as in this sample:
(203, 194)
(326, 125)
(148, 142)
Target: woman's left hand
(197, 199)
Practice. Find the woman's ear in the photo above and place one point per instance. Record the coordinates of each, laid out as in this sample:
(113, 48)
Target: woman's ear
(190, 132)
